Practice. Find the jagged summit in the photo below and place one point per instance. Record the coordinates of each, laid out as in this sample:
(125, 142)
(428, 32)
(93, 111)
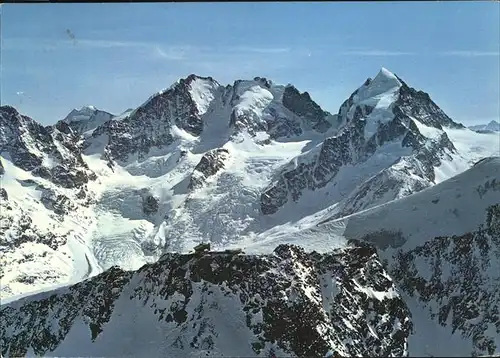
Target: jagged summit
(86, 119)
(52, 153)
(383, 113)
(82, 113)
(383, 82)
(386, 73)
(387, 97)
(186, 81)
(492, 126)
(7, 108)
(199, 107)
(88, 107)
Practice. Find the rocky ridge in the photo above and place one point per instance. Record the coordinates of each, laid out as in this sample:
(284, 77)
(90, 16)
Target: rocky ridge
(343, 301)
(456, 280)
(383, 111)
(52, 153)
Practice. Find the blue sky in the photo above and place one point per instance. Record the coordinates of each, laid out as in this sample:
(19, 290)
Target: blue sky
(56, 57)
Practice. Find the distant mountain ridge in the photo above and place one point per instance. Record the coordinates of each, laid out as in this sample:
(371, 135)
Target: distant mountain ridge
(492, 126)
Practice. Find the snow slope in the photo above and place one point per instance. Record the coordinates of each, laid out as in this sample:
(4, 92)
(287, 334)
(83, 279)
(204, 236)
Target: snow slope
(453, 207)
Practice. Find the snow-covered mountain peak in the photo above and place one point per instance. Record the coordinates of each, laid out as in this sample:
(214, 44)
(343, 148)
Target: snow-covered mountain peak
(493, 123)
(202, 90)
(379, 94)
(89, 108)
(259, 105)
(197, 105)
(186, 84)
(492, 126)
(384, 115)
(86, 119)
(83, 113)
(199, 90)
(387, 75)
(384, 82)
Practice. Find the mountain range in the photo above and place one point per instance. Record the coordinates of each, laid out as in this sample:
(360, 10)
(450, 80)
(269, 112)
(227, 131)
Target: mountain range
(492, 126)
(373, 231)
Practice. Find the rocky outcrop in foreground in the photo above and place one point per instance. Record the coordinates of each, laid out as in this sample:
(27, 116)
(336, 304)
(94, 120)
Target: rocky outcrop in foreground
(457, 279)
(291, 302)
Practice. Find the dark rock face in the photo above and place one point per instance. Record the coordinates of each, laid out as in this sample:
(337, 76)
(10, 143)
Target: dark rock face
(150, 205)
(150, 125)
(58, 203)
(2, 169)
(63, 127)
(174, 105)
(335, 152)
(406, 176)
(263, 81)
(430, 156)
(460, 284)
(302, 105)
(211, 163)
(3, 194)
(29, 145)
(246, 122)
(281, 126)
(418, 104)
(129, 137)
(308, 302)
